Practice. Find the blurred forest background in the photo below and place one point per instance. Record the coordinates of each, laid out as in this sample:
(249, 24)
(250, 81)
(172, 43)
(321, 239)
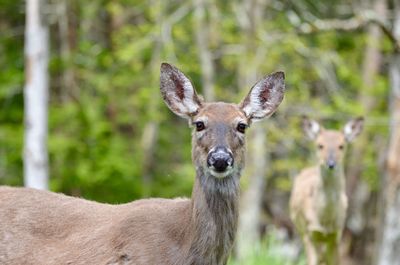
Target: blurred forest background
(112, 139)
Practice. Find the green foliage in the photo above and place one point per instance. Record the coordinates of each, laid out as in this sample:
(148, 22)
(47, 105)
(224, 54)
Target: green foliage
(97, 122)
(11, 100)
(269, 251)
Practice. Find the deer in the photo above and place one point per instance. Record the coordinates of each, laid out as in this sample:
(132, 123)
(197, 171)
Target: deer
(42, 227)
(318, 201)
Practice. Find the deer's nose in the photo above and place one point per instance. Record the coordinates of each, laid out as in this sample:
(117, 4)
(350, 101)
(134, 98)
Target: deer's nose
(220, 158)
(331, 164)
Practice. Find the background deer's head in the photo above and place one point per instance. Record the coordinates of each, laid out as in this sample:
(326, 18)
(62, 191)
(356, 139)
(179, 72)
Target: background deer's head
(331, 144)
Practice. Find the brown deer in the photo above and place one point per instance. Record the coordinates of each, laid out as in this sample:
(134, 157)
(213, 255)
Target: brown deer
(40, 227)
(318, 201)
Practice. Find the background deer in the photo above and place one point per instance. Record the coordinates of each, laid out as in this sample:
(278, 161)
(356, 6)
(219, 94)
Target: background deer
(39, 227)
(318, 201)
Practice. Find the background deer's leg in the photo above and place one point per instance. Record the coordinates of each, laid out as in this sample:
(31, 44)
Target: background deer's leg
(311, 251)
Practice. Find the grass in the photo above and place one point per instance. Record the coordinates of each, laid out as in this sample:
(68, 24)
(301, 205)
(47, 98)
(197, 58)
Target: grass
(268, 252)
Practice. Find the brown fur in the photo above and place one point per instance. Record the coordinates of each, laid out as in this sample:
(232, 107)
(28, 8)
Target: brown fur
(318, 201)
(40, 227)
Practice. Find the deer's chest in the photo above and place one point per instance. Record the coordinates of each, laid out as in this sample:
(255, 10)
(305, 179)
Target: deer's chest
(331, 206)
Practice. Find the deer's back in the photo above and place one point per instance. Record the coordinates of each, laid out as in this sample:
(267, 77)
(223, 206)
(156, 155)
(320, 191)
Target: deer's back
(39, 227)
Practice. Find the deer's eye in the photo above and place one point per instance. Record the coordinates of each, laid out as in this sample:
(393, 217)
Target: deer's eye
(341, 147)
(241, 127)
(199, 126)
(320, 147)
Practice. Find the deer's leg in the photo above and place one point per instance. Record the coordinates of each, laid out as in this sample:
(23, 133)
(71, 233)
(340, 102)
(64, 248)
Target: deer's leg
(327, 248)
(333, 250)
(311, 251)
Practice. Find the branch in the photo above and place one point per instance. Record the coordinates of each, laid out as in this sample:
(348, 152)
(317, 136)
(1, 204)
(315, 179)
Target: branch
(358, 21)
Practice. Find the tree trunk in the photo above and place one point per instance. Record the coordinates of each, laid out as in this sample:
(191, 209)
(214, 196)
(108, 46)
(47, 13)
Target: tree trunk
(36, 96)
(249, 16)
(205, 56)
(67, 79)
(360, 220)
(390, 244)
(251, 199)
(150, 132)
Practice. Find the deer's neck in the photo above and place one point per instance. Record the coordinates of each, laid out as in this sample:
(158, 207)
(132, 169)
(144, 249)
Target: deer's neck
(332, 182)
(214, 218)
(332, 177)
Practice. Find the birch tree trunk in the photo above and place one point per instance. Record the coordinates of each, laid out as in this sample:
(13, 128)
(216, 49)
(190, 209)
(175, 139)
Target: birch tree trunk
(390, 244)
(36, 97)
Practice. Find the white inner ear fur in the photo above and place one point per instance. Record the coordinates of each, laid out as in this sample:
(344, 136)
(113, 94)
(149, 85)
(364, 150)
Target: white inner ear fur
(352, 129)
(311, 129)
(182, 107)
(257, 110)
(314, 127)
(347, 129)
(187, 104)
(255, 107)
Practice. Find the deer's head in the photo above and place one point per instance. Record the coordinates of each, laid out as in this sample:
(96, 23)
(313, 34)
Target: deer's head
(218, 139)
(331, 144)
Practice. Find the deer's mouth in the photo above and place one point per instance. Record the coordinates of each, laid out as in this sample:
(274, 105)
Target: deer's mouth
(220, 175)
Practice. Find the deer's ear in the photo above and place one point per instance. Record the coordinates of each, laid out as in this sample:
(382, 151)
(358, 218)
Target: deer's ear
(264, 97)
(353, 128)
(310, 127)
(178, 92)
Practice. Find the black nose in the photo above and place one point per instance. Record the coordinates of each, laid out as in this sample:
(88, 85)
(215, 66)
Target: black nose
(220, 158)
(331, 164)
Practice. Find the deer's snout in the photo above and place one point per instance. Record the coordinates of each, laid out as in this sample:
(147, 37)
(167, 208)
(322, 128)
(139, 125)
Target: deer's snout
(331, 163)
(220, 158)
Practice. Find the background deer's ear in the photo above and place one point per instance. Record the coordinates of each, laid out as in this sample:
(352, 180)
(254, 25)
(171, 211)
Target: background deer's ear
(178, 92)
(310, 127)
(353, 128)
(264, 97)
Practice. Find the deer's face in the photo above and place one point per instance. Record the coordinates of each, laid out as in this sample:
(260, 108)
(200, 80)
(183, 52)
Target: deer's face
(330, 147)
(218, 140)
(331, 144)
